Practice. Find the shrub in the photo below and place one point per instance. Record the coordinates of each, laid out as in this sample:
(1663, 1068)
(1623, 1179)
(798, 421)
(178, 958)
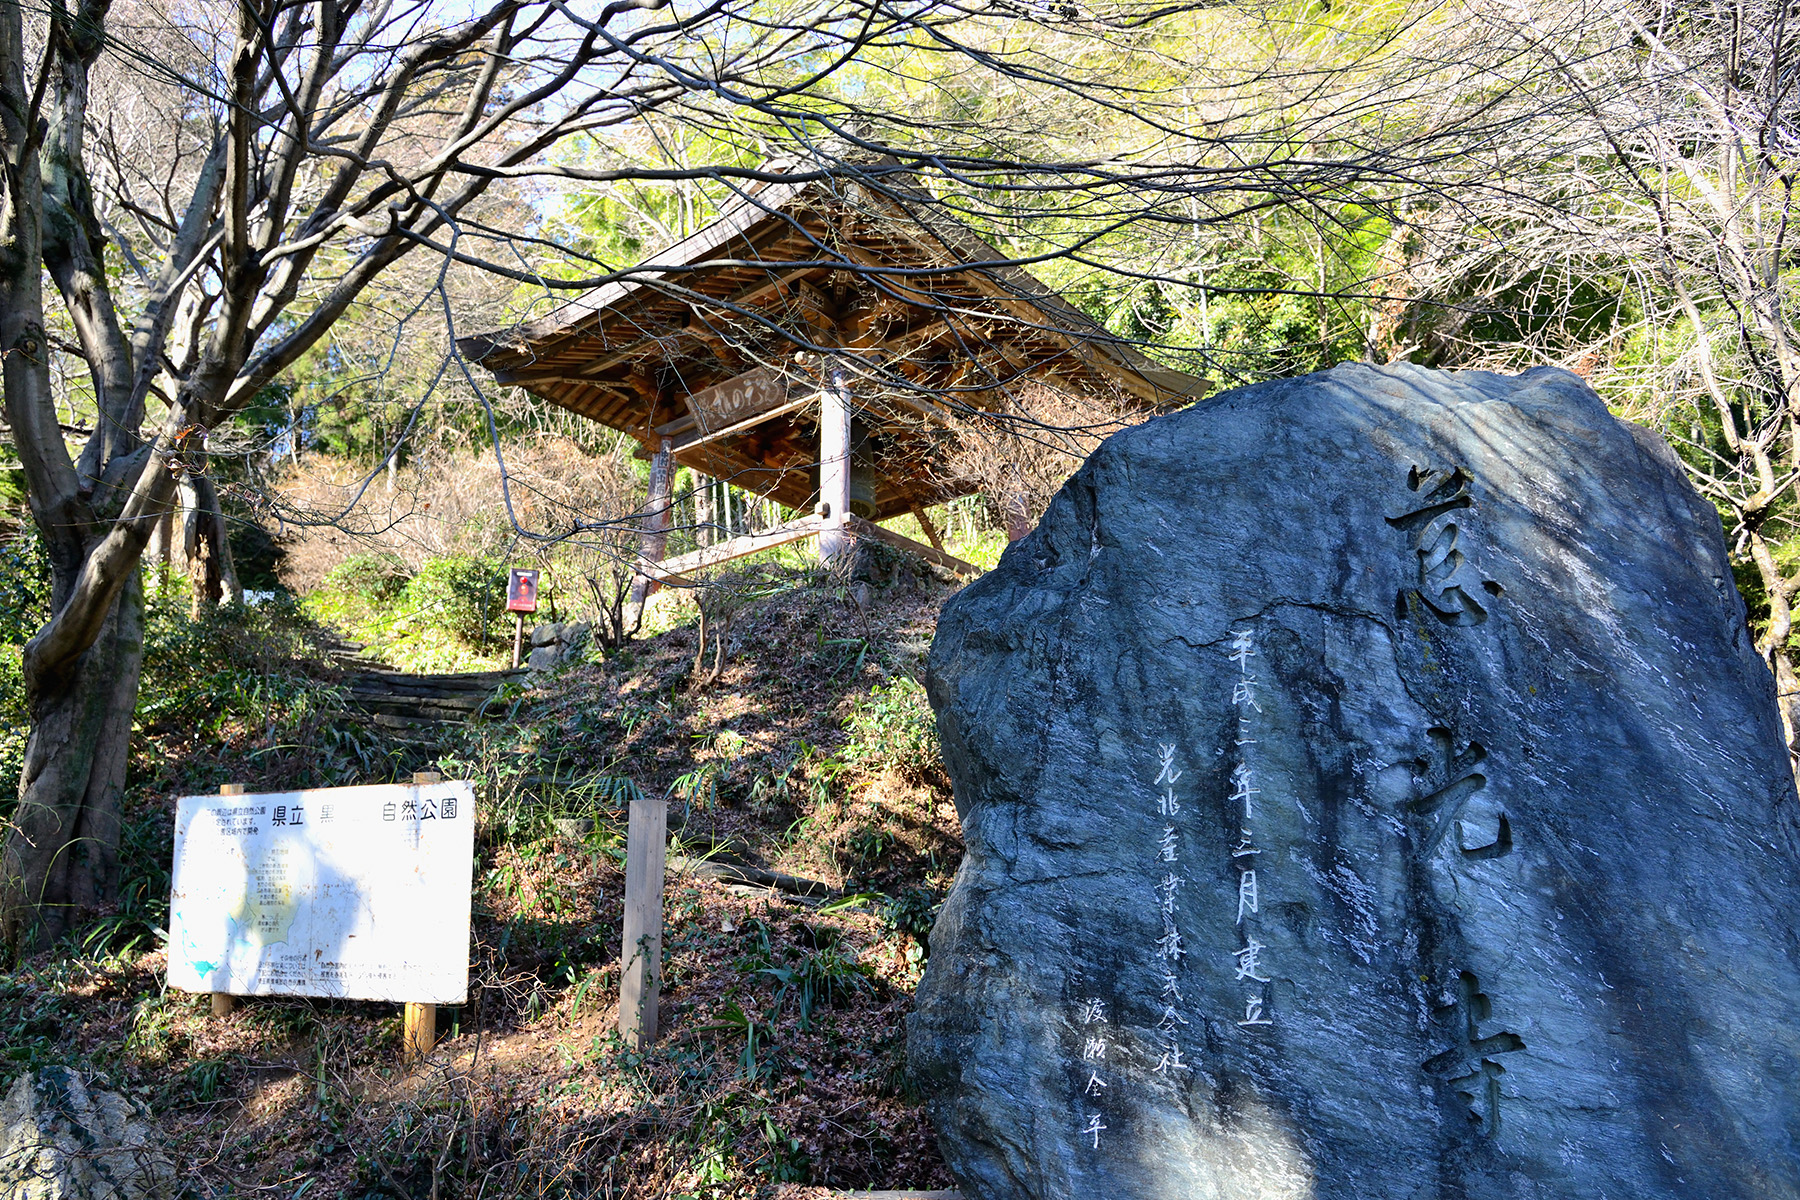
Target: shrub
(24, 586)
(913, 912)
(893, 727)
(374, 578)
(232, 665)
(14, 728)
(461, 594)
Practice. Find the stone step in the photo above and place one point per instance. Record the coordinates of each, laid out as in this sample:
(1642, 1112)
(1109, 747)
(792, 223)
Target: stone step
(469, 682)
(395, 721)
(470, 699)
(422, 712)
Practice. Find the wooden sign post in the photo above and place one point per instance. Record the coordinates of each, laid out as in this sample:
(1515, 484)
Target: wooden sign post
(224, 1002)
(521, 598)
(640, 952)
(421, 1032)
(421, 1019)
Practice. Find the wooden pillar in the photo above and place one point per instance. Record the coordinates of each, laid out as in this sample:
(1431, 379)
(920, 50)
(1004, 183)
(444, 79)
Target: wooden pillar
(640, 953)
(834, 468)
(654, 540)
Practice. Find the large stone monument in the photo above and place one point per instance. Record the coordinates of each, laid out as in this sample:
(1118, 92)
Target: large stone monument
(1370, 792)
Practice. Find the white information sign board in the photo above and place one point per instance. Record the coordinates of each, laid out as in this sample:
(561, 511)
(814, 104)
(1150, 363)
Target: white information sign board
(358, 892)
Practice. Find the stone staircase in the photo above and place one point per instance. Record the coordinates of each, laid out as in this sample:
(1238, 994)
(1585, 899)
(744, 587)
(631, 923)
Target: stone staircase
(396, 700)
(405, 702)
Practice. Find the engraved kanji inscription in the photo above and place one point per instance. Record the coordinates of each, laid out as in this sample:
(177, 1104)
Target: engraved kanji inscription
(1448, 780)
(1435, 537)
(1471, 1067)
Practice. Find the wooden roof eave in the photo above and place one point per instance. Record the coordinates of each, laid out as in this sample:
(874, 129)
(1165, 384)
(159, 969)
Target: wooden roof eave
(1028, 299)
(765, 203)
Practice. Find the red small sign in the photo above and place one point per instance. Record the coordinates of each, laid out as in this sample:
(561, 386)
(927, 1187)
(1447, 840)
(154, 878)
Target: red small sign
(521, 591)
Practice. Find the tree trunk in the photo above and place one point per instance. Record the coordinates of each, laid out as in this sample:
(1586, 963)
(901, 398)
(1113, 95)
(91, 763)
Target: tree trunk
(1773, 645)
(161, 550)
(207, 544)
(61, 859)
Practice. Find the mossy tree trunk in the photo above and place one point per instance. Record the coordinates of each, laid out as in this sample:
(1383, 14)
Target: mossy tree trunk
(61, 859)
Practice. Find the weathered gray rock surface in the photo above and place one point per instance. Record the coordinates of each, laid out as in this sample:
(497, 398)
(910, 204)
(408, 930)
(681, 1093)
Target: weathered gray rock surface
(554, 644)
(61, 1140)
(1370, 792)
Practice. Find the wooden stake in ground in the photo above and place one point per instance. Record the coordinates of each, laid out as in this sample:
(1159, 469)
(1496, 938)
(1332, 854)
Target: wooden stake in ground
(641, 951)
(421, 1019)
(224, 1002)
(421, 1031)
(518, 637)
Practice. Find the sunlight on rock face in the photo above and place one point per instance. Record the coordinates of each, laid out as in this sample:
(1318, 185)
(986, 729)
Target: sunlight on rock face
(1347, 818)
(1255, 1155)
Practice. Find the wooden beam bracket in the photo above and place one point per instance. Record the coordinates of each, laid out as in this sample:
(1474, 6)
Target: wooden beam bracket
(676, 570)
(949, 562)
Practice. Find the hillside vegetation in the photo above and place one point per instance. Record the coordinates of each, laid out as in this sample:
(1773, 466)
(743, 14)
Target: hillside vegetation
(780, 1064)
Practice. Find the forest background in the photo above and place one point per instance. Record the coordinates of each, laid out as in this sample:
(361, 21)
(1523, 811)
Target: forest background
(1242, 192)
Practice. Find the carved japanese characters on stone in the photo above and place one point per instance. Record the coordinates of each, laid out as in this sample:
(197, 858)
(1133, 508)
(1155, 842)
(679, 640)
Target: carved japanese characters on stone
(1448, 780)
(1434, 536)
(1471, 1066)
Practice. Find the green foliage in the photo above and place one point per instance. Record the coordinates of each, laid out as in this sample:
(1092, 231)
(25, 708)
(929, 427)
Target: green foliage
(24, 609)
(699, 788)
(232, 668)
(450, 615)
(462, 594)
(376, 578)
(30, 1025)
(15, 727)
(783, 1161)
(135, 924)
(154, 1038)
(869, 845)
(24, 586)
(627, 221)
(912, 912)
(893, 727)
